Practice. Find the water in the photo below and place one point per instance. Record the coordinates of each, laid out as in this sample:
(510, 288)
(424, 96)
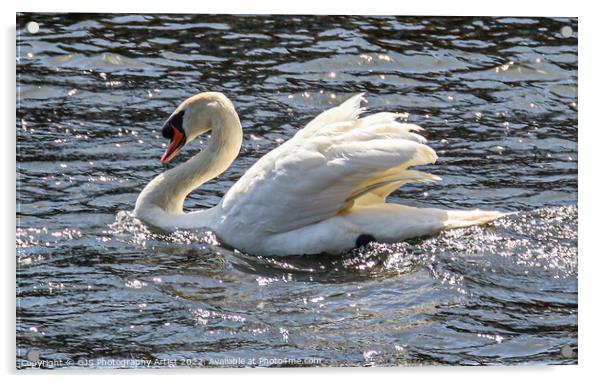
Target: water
(498, 99)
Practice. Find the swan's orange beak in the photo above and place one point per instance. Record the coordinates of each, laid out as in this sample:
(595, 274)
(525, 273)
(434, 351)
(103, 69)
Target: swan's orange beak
(177, 142)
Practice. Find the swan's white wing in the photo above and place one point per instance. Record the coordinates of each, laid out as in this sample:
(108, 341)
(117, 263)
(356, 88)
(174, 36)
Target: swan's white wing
(336, 161)
(347, 111)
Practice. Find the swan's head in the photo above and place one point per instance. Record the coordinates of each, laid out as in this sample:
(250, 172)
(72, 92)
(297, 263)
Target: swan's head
(195, 116)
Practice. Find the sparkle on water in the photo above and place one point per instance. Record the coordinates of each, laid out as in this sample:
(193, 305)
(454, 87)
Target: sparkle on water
(498, 100)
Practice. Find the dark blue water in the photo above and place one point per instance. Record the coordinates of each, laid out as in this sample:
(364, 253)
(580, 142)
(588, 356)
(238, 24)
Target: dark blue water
(498, 100)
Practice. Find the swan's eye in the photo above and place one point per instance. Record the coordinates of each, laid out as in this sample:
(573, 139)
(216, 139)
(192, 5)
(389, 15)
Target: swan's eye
(175, 122)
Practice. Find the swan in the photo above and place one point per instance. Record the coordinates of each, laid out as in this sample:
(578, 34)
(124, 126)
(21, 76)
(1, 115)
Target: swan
(322, 191)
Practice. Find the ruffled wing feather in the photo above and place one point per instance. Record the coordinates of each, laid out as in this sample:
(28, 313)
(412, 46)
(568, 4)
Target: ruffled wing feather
(336, 161)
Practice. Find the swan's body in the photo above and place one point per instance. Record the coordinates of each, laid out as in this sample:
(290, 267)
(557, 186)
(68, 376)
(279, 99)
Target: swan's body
(319, 192)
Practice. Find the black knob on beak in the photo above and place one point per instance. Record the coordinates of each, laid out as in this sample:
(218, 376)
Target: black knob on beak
(175, 122)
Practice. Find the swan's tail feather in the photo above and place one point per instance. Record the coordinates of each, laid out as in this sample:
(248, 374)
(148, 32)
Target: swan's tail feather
(458, 218)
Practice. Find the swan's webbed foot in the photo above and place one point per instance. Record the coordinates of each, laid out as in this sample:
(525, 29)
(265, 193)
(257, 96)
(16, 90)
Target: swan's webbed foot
(364, 239)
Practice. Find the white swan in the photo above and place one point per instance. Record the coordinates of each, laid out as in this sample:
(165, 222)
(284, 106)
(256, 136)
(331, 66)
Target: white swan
(322, 191)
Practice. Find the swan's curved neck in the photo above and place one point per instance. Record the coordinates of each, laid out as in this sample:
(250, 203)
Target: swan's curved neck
(168, 190)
